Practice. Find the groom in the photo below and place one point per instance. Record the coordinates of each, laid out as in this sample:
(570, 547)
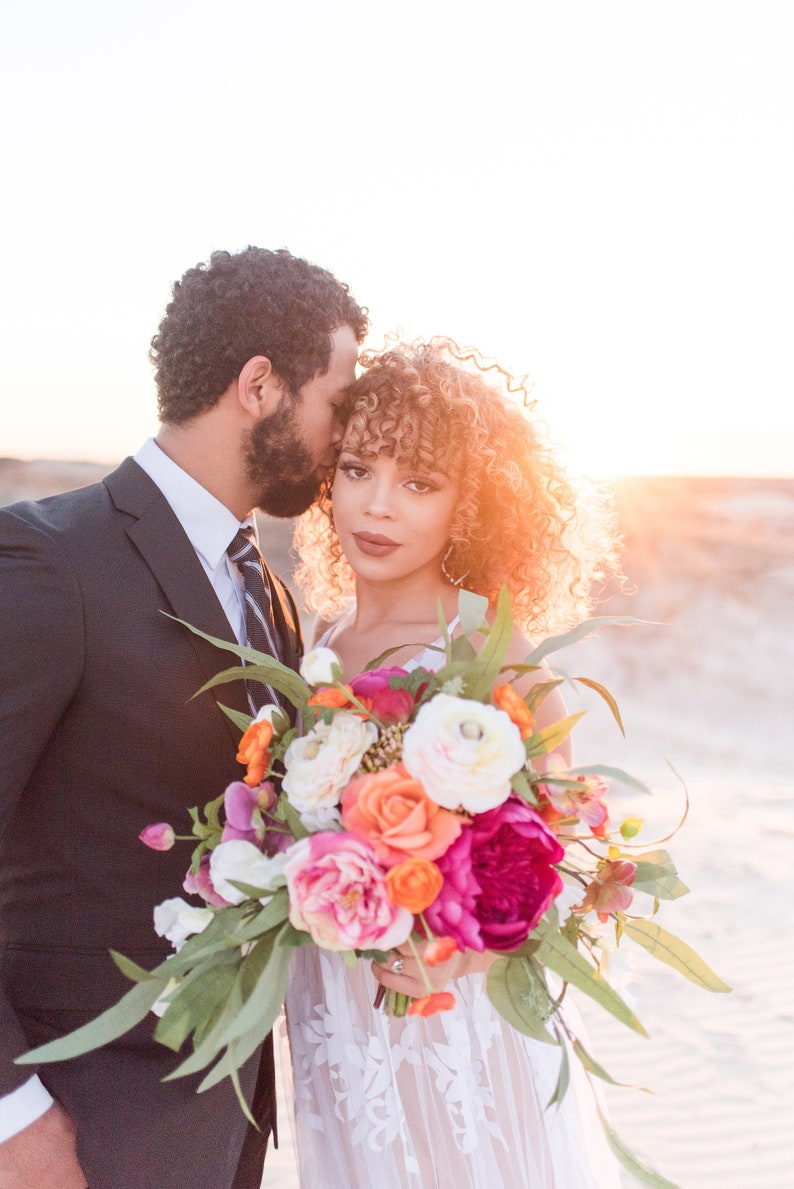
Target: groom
(99, 737)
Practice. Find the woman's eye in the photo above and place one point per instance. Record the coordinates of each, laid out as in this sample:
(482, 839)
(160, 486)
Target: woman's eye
(353, 470)
(421, 486)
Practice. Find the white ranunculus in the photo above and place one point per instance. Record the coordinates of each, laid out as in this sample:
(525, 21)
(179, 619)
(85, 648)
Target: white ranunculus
(317, 667)
(177, 920)
(463, 752)
(320, 764)
(243, 862)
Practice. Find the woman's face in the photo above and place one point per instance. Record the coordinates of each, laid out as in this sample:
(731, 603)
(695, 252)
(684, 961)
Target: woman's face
(392, 519)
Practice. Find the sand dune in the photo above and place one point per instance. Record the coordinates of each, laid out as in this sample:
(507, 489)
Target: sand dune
(709, 690)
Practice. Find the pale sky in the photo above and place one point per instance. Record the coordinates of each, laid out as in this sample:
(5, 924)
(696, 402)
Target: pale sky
(598, 194)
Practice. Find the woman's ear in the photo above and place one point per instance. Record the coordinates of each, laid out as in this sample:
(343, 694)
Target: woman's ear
(259, 389)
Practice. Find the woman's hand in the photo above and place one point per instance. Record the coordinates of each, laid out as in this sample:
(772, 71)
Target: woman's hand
(408, 977)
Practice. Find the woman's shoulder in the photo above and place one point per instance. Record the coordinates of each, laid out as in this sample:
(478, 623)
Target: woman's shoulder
(324, 629)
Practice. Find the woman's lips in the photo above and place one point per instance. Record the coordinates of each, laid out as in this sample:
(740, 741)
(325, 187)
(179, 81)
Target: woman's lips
(374, 545)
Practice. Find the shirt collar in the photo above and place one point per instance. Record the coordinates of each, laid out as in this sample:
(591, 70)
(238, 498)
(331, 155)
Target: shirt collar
(209, 525)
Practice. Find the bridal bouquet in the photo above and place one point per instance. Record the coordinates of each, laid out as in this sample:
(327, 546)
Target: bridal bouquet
(423, 808)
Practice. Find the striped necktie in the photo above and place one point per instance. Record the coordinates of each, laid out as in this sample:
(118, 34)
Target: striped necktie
(259, 624)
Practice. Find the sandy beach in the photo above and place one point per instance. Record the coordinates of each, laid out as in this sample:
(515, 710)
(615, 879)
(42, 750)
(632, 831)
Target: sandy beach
(706, 687)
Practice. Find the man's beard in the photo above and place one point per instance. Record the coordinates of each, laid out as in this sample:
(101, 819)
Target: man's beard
(279, 466)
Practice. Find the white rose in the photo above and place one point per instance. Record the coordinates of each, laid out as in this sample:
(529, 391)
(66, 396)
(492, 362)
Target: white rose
(463, 752)
(243, 862)
(317, 667)
(320, 764)
(177, 920)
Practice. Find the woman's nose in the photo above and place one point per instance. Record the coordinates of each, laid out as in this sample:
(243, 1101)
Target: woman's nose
(381, 500)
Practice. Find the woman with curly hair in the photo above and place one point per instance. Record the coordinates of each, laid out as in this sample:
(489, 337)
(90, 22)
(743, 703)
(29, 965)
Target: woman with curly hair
(443, 481)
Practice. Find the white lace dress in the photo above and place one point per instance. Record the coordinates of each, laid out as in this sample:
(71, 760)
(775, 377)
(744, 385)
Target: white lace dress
(455, 1101)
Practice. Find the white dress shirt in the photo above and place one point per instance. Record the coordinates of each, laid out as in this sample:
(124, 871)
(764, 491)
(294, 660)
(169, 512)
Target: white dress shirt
(210, 528)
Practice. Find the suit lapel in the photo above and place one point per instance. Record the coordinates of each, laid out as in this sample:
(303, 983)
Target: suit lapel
(162, 543)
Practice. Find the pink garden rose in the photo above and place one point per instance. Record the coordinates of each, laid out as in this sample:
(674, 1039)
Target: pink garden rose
(499, 879)
(337, 894)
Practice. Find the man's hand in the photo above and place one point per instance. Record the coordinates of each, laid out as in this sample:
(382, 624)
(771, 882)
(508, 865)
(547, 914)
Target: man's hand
(43, 1155)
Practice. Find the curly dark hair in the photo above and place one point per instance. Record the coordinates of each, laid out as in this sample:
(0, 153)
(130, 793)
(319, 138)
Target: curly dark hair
(255, 302)
(520, 519)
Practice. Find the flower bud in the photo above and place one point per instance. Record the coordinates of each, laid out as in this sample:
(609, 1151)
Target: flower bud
(159, 836)
(317, 667)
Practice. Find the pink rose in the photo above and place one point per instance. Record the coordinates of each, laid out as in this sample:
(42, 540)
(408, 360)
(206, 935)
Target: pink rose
(501, 878)
(337, 894)
(394, 814)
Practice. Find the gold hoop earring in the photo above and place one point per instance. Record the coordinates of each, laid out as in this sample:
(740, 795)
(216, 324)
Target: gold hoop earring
(452, 581)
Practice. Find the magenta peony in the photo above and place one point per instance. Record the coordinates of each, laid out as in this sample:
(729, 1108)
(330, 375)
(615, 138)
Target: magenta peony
(384, 703)
(499, 879)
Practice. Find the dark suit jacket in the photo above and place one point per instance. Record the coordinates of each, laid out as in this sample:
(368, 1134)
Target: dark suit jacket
(98, 738)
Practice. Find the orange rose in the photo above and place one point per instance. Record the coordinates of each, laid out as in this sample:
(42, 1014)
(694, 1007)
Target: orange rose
(396, 817)
(414, 884)
(428, 1005)
(254, 752)
(336, 699)
(506, 698)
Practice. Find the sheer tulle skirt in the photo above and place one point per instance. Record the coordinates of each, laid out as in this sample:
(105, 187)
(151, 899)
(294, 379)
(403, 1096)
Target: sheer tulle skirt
(456, 1100)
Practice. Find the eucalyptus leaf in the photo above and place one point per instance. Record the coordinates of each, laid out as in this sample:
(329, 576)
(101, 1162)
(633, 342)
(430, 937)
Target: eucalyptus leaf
(588, 627)
(656, 874)
(243, 721)
(261, 668)
(563, 1078)
(520, 997)
(630, 1162)
(538, 693)
(489, 660)
(273, 913)
(262, 977)
(556, 952)
(542, 742)
(472, 609)
(592, 1066)
(196, 998)
(109, 1026)
(604, 693)
(674, 952)
(130, 969)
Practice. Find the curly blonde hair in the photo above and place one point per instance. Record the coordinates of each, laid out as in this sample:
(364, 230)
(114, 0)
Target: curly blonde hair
(520, 521)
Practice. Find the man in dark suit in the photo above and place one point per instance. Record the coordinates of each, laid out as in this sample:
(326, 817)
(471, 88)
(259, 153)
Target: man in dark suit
(99, 737)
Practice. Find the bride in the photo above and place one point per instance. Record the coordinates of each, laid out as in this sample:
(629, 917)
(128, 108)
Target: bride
(442, 481)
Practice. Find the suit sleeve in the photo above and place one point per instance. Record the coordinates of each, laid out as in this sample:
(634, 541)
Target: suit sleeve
(41, 660)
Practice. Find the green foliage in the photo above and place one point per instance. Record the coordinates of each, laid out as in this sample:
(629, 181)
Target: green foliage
(556, 952)
(517, 989)
(674, 952)
(657, 875)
